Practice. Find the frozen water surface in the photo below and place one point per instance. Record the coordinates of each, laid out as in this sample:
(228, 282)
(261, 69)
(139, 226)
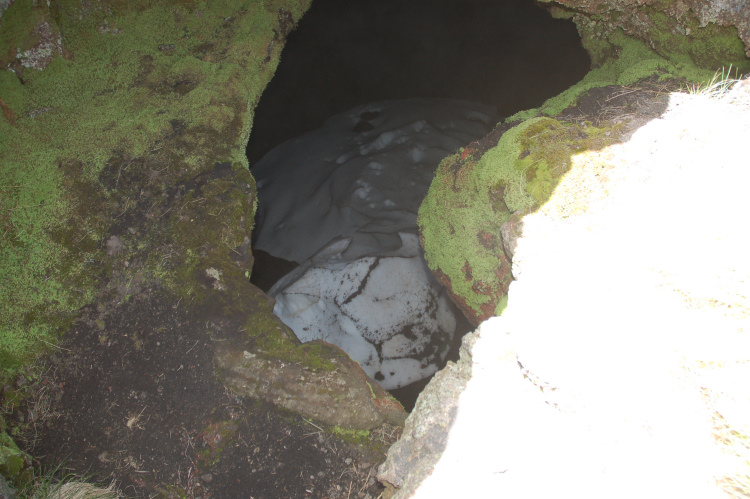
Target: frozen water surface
(343, 201)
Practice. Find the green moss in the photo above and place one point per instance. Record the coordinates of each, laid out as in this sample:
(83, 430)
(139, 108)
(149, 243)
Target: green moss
(276, 341)
(547, 149)
(11, 457)
(635, 62)
(476, 198)
(313, 356)
(19, 30)
(599, 50)
(459, 206)
(11, 91)
(171, 491)
(127, 112)
(372, 391)
(361, 437)
(37, 274)
(501, 305)
(216, 437)
(710, 47)
(14, 463)
(214, 220)
(680, 40)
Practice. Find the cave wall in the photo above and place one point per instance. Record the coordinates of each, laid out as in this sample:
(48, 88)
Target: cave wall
(709, 34)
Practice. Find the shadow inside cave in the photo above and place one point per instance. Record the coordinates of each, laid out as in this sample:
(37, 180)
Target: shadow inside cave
(510, 55)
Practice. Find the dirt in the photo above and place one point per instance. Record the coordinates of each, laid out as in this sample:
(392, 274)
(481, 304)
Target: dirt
(132, 396)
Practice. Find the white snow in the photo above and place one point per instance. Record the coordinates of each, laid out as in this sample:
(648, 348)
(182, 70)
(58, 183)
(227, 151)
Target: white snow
(632, 347)
(343, 200)
(386, 312)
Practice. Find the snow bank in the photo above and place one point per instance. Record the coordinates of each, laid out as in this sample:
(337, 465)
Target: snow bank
(620, 366)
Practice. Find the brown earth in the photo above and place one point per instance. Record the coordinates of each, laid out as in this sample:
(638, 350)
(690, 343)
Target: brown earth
(125, 398)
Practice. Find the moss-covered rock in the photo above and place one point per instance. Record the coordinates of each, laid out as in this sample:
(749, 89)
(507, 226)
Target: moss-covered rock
(121, 143)
(474, 195)
(634, 61)
(709, 34)
(470, 200)
(124, 178)
(317, 380)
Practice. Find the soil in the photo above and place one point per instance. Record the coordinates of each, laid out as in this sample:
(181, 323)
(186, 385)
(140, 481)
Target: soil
(133, 397)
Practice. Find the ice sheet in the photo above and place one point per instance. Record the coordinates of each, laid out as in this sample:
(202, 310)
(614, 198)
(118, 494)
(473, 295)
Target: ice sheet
(343, 201)
(386, 312)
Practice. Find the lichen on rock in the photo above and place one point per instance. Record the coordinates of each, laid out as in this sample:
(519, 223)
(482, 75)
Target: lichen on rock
(708, 34)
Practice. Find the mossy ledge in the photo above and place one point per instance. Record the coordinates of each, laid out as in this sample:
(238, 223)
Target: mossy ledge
(475, 194)
(707, 34)
(463, 244)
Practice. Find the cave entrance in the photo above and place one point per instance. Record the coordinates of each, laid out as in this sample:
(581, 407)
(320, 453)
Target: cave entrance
(509, 55)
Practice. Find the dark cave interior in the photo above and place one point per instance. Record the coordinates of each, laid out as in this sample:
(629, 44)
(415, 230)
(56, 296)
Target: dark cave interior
(510, 54)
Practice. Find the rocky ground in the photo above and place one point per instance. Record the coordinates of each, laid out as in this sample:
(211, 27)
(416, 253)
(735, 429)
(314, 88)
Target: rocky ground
(144, 407)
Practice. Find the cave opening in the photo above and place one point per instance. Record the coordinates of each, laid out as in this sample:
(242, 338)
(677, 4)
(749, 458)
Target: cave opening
(508, 55)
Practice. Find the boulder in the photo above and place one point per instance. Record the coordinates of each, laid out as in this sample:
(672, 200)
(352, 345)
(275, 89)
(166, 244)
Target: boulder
(413, 457)
(337, 393)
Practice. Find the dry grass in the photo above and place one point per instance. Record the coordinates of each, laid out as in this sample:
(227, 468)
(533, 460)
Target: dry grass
(718, 86)
(79, 490)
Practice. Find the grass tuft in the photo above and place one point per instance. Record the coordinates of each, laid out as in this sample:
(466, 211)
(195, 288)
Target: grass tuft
(721, 82)
(58, 484)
